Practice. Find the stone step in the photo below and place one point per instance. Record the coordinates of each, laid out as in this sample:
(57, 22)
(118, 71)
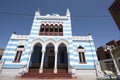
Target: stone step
(47, 74)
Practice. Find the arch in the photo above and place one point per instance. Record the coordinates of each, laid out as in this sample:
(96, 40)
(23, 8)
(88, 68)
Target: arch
(36, 56)
(61, 28)
(49, 56)
(51, 28)
(80, 47)
(81, 54)
(47, 28)
(47, 25)
(51, 25)
(56, 28)
(35, 41)
(61, 25)
(64, 42)
(50, 41)
(43, 24)
(56, 25)
(62, 56)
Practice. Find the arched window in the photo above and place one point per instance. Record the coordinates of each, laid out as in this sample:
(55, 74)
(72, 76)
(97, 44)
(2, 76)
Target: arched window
(42, 28)
(47, 28)
(81, 52)
(60, 28)
(51, 28)
(56, 28)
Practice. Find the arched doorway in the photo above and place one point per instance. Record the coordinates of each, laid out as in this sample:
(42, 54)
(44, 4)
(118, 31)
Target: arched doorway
(49, 56)
(36, 56)
(62, 57)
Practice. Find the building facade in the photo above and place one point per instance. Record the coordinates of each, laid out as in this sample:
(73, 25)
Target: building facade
(105, 57)
(102, 54)
(115, 12)
(51, 45)
(1, 53)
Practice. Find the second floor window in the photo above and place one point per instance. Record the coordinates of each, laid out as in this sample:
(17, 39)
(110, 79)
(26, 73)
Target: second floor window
(51, 30)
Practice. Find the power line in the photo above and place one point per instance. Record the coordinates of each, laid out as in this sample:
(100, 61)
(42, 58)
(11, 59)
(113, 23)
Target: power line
(24, 14)
(10, 13)
(94, 16)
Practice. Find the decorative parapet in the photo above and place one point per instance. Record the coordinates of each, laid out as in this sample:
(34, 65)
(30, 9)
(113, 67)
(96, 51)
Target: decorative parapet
(22, 37)
(52, 17)
(84, 38)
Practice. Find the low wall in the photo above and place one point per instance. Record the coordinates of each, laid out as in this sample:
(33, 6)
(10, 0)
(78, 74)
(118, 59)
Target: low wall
(86, 74)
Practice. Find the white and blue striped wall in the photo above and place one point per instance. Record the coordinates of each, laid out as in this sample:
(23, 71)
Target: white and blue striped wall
(90, 55)
(10, 53)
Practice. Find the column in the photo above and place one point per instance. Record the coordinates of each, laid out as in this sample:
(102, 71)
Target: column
(55, 66)
(28, 63)
(41, 66)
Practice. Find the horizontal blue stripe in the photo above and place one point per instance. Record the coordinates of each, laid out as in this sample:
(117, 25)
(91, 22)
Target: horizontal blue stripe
(70, 53)
(81, 41)
(65, 34)
(35, 22)
(25, 59)
(34, 29)
(36, 32)
(68, 38)
(86, 55)
(84, 66)
(77, 60)
(33, 33)
(70, 42)
(74, 60)
(11, 44)
(9, 54)
(10, 49)
(36, 25)
(28, 47)
(90, 50)
(70, 48)
(15, 66)
(90, 60)
(88, 46)
(66, 22)
(8, 59)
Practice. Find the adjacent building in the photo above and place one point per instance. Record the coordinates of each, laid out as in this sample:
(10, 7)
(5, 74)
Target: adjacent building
(102, 54)
(115, 12)
(1, 53)
(105, 58)
(50, 45)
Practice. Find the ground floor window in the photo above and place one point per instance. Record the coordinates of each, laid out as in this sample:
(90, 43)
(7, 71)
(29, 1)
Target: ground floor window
(82, 57)
(18, 56)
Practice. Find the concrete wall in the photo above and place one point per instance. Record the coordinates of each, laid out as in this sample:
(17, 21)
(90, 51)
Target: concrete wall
(86, 74)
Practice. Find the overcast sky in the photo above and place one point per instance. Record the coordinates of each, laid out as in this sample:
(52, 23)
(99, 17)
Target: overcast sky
(87, 16)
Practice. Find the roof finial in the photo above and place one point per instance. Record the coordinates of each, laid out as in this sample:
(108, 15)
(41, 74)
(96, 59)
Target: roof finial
(38, 10)
(68, 12)
(37, 13)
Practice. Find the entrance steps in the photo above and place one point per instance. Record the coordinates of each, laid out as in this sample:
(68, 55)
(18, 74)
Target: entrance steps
(47, 74)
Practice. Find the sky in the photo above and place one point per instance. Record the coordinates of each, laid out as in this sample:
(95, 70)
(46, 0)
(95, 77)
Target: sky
(87, 16)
